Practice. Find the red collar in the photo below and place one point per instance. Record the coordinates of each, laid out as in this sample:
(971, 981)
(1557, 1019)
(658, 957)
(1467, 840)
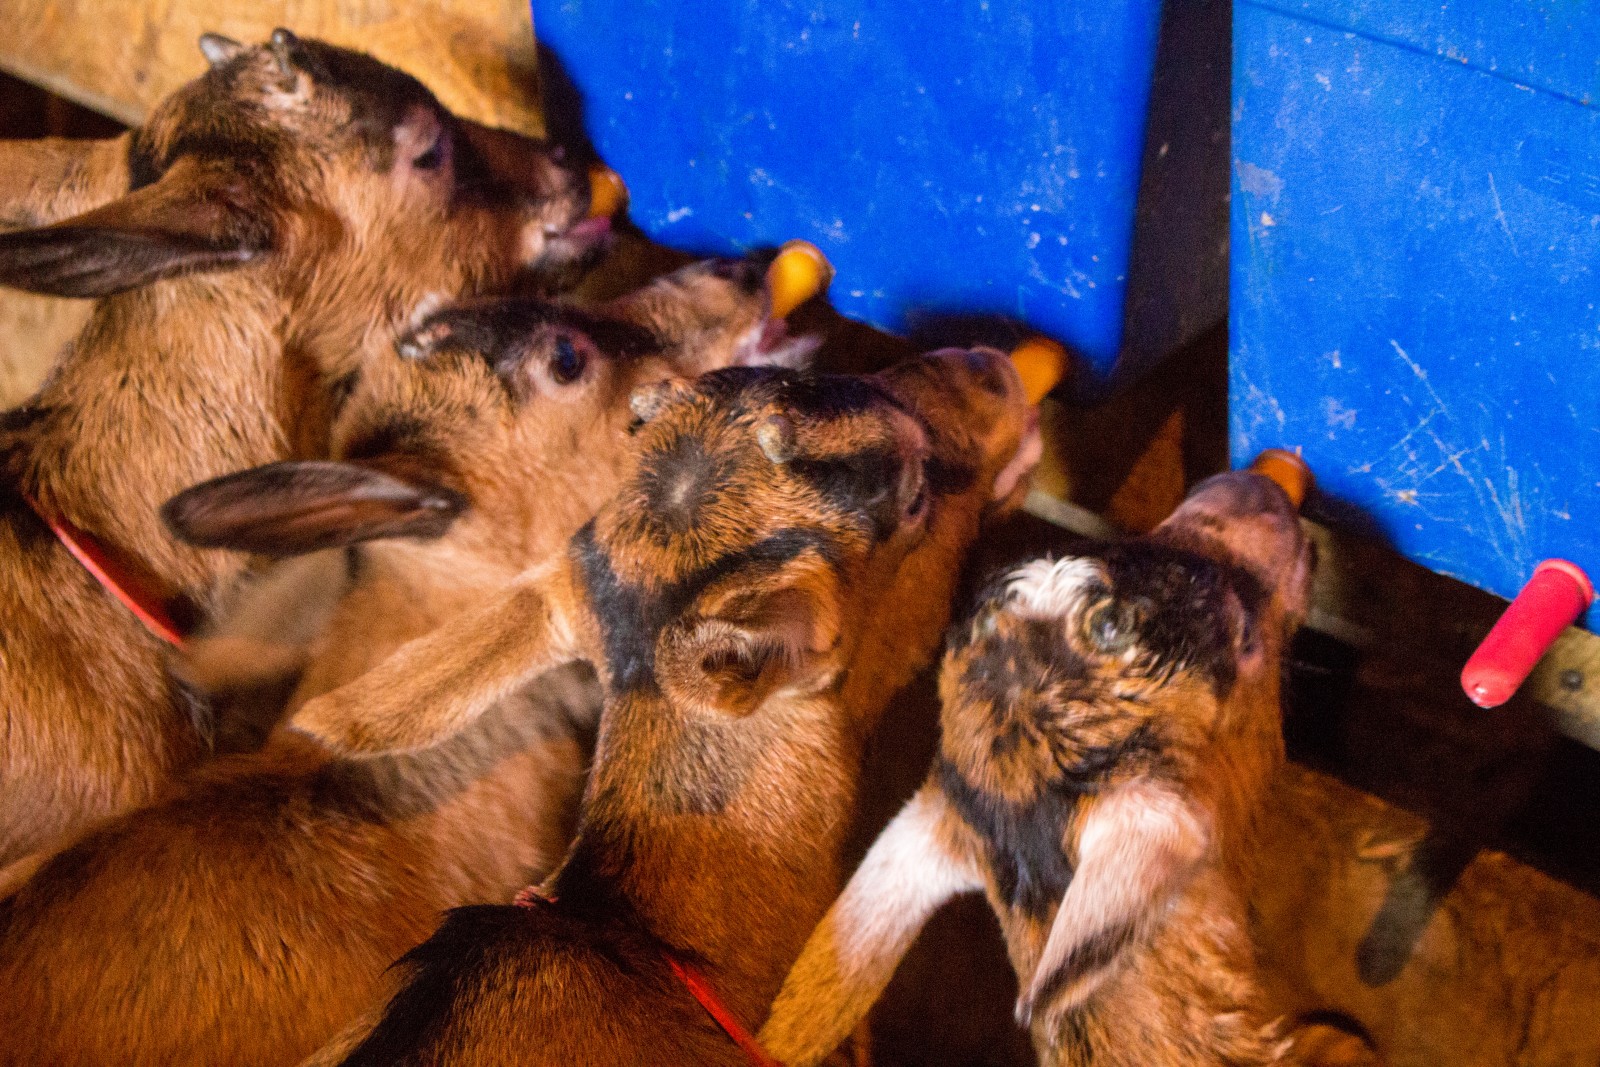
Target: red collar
(132, 589)
(698, 987)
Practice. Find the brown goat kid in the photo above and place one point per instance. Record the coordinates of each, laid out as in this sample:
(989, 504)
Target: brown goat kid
(285, 214)
(732, 599)
(1111, 728)
(505, 423)
(250, 915)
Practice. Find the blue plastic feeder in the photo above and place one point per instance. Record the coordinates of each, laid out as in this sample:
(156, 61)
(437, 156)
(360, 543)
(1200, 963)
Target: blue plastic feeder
(978, 157)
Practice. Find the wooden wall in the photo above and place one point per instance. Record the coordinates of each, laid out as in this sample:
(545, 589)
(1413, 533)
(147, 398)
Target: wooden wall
(120, 58)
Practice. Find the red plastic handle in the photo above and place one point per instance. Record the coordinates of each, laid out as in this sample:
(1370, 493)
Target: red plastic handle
(1554, 597)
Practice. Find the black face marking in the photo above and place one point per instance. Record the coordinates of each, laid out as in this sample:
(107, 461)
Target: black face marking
(994, 669)
(631, 619)
(380, 96)
(947, 478)
(1189, 615)
(810, 398)
(1184, 607)
(678, 482)
(398, 434)
(142, 169)
(501, 332)
(998, 670)
(749, 272)
(252, 156)
(861, 483)
(1022, 841)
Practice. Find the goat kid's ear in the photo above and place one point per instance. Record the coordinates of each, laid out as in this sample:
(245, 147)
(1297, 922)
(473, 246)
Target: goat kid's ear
(196, 217)
(46, 180)
(287, 509)
(1139, 844)
(755, 639)
(219, 49)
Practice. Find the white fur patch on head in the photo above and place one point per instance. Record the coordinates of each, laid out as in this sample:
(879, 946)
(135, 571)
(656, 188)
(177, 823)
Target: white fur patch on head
(1048, 589)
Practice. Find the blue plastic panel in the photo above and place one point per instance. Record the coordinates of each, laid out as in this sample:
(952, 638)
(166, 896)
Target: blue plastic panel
(1416, 269)
(970, 156)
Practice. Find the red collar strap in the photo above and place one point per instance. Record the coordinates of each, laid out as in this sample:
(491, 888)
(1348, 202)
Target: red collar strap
(698, 987)
(132, 589)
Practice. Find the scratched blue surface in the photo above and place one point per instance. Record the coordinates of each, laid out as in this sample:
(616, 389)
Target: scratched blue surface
(1416, 269)
(949, 156)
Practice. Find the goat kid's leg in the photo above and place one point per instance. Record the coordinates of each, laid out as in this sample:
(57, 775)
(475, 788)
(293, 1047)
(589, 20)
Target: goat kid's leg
(435, 686)
(1138, 846)
(906, 875)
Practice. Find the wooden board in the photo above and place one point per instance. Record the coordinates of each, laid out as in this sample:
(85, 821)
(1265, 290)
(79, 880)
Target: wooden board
(120, 58)
(32, 331)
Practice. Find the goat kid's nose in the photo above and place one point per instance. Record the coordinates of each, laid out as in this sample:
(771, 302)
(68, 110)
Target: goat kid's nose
(1251, 515)
(1240, 495)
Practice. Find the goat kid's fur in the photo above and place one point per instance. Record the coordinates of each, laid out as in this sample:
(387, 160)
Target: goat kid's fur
(1499, 964)
(253, 913)
(277, 219)
(732, 599)
(1110, 730)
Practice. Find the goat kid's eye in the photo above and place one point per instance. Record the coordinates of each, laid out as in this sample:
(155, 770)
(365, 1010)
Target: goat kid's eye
(919, 503)
(567, 364)
(433, 158)
(1109, 628)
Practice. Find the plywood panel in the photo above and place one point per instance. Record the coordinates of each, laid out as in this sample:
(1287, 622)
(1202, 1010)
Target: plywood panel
(32, 331)
(121, 58)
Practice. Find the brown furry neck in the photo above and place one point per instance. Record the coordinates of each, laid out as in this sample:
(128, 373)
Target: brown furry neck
(726, 845)
(150, 400)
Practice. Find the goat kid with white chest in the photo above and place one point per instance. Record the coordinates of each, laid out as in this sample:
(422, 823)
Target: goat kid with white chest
(730, 597)
(1110, 728)
(276, 222)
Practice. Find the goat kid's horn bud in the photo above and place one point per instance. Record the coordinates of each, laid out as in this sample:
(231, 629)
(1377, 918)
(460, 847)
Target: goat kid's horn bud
(648, 401)
(775, 435)
(282, 44)
(1041, 364)
(1288, 470)
(799, 273)
(608, 194)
